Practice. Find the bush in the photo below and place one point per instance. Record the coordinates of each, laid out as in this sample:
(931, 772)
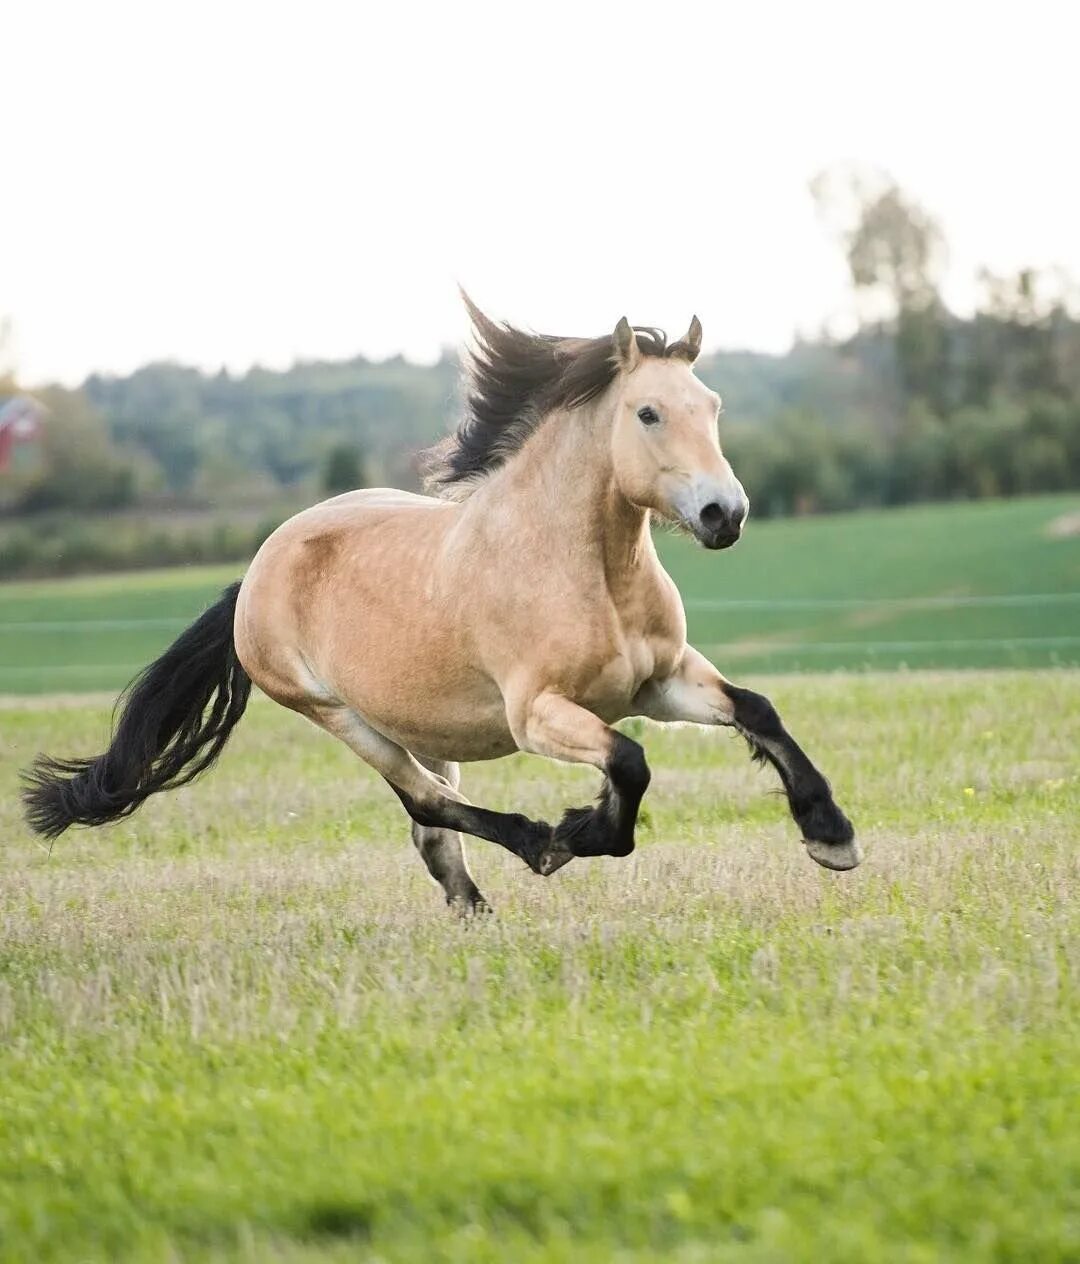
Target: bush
(344, 469)
(54, 546)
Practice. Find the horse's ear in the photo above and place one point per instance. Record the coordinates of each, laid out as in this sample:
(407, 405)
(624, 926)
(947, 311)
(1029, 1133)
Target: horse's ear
(627, 351)
(689, 346)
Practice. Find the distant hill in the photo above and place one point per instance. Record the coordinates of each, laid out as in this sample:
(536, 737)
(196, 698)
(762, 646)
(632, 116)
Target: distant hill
(928, 406)
(282, 423)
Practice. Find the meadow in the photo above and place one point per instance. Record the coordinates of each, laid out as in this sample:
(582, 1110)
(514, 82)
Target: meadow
(242, 1026)
(986, 584)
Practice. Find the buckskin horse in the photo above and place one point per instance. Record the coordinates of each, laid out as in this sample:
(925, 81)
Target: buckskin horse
(521, 607)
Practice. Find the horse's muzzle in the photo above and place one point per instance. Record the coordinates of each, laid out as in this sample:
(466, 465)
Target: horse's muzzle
(719, 527)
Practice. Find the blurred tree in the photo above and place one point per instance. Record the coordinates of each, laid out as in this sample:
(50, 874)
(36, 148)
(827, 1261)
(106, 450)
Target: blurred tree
(82, 469)
(917, 403)
(895, 254)
(344, 469)
(895, 251)
(1023, 338)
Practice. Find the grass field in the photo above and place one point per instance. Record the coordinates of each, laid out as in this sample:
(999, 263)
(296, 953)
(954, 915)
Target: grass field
(983, 585)
(242, 1027)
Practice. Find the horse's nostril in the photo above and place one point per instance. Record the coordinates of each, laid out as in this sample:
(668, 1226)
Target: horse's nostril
(714, 515)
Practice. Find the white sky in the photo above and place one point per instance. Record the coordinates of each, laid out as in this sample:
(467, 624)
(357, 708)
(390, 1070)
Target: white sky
(234, 182)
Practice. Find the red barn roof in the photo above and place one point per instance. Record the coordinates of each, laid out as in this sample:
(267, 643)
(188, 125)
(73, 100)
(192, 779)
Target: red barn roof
(22, 420)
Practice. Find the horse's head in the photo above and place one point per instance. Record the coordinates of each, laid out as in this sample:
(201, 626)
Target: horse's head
(665, 444)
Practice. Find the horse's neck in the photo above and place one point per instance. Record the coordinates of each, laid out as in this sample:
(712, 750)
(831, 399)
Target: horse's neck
(562, 487)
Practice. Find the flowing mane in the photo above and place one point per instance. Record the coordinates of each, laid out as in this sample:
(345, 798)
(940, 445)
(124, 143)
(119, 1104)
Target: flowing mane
(512, 381)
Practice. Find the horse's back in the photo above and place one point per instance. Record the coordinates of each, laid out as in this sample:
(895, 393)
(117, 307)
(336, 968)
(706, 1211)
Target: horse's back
(374, 498)
(325, 558)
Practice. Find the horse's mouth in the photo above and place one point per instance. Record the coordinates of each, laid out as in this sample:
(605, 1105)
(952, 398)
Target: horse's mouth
(713, 540)
(723, 538)
(724, 542)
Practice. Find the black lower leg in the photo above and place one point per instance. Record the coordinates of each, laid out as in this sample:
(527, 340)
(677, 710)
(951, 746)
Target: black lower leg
(442, 854)
(608, 828)
(529, 840)
(809, 795)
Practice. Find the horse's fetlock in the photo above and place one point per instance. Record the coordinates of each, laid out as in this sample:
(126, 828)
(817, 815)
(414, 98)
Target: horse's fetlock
(822, 821)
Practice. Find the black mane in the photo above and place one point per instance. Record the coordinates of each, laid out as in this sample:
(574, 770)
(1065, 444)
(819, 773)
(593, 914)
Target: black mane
(513, 380)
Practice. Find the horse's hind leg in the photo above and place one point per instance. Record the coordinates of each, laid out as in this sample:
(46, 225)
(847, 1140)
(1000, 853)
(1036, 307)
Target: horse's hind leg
(430, 799)
(444, 853)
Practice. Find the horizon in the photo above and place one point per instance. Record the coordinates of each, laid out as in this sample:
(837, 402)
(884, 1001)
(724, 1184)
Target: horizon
(329, 208)
(359, 357)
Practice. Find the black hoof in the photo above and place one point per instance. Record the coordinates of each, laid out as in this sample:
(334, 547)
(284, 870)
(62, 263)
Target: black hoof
(471, 906)
(554, 857)
(536, 844)
(828, 835)
(836, 856)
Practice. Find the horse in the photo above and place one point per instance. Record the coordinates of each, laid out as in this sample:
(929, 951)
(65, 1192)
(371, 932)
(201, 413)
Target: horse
(519, 606)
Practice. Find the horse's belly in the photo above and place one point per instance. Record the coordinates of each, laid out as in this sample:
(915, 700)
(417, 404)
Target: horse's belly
(435, 705)
(454, 736)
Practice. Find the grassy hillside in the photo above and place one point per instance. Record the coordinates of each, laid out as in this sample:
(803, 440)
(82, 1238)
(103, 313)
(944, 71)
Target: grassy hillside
(984, 584)
(241, 1026)
(992, 583)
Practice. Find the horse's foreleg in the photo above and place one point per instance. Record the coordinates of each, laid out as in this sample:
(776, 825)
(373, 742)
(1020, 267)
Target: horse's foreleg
(699, 694)
(444, 854)
(550, 724)
(430, 799)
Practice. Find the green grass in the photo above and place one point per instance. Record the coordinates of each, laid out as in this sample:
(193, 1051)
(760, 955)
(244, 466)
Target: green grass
(241, 1026)
(95, 632)
(948, 553)
(768, 605)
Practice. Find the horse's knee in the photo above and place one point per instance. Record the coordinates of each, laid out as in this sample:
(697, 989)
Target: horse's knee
(627, 768)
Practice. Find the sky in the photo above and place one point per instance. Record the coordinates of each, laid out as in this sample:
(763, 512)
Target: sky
(235, 183)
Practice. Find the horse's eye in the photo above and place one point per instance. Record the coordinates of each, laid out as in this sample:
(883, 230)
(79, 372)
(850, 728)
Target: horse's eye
(648, 416)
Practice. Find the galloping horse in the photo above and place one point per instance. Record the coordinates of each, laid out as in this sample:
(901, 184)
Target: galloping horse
(523, 607)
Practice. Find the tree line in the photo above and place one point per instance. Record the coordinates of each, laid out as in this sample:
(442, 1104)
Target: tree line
(911, 402)
(939, 406)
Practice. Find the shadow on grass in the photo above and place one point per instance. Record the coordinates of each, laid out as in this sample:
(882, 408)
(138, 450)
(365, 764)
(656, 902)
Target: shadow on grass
(348, 1220)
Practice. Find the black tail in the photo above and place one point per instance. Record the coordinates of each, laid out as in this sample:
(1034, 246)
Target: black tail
(164, 738)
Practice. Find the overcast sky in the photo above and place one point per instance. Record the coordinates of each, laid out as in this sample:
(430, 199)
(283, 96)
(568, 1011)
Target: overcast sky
(231, 183)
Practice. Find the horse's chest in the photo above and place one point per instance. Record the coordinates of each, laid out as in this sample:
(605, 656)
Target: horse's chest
(611, 691)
